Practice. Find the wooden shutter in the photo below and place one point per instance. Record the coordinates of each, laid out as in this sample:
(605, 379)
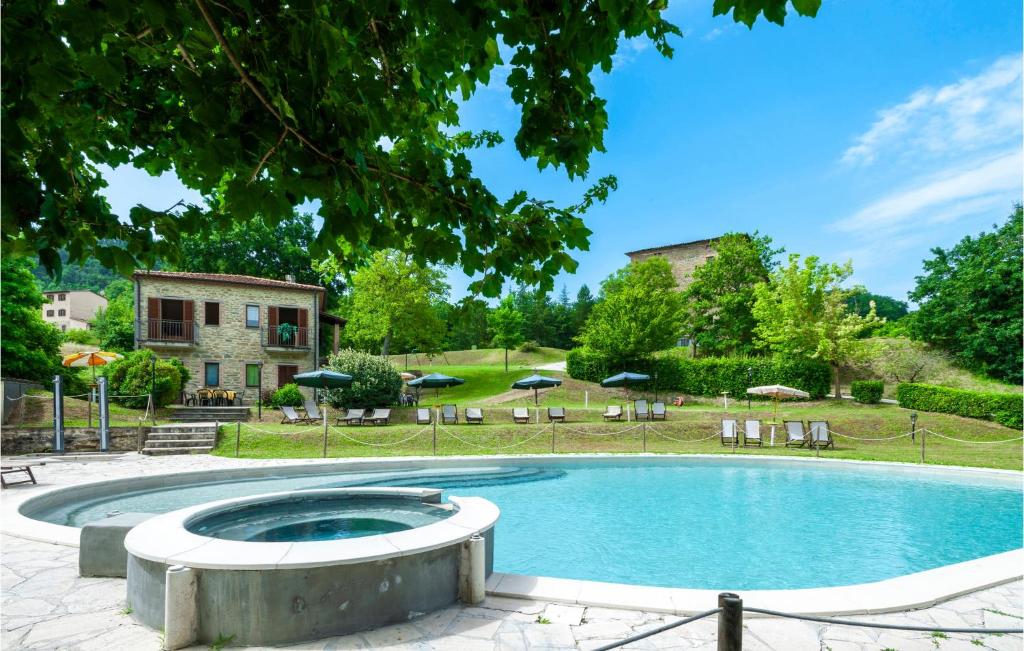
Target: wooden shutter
(153, 314)
(211, 311)
(301, 337)
(271, 317)
(188, 311)
(285, 373)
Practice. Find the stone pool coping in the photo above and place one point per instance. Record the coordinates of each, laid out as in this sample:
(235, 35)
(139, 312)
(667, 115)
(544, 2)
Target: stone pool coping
(899, 593)
(165, 539)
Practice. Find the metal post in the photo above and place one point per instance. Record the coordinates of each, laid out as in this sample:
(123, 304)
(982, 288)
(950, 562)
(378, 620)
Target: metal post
(750, 380)
(238, 436)
(104, 416)
(152, 385)
(913, 426)
(922, 445)
(643, 428)
(552, 437)
(92, 399)
(58, 414)
(730, 622)
(259, 397)
(435, 432)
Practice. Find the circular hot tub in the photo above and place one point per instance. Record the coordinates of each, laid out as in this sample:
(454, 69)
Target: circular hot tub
(300, 565)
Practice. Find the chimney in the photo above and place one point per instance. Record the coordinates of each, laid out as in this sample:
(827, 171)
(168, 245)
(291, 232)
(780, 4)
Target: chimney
(289, 277)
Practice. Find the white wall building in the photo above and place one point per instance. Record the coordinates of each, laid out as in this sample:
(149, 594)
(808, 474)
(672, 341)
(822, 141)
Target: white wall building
(72, 310)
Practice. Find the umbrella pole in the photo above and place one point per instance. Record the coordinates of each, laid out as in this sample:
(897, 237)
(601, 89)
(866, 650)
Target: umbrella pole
(325, 423)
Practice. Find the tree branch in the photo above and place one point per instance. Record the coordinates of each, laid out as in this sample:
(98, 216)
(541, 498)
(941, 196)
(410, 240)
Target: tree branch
(266, 156)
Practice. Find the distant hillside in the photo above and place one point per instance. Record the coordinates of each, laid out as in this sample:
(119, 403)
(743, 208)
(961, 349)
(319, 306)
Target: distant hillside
(91, 275)
(482, 357)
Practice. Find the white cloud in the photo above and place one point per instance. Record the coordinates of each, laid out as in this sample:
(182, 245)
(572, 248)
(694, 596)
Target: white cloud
(971, 114)
(940, 198)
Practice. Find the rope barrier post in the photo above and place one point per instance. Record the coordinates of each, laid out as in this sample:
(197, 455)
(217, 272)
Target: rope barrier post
(58, 414)
(552, 437)
(435, 432)
(643, 427)
(730, 622)
(92, 396)
(238, 436)
(923, 437)
(104, 416)
(913, 425)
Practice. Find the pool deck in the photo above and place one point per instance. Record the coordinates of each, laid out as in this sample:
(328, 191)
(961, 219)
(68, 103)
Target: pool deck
(46, 605)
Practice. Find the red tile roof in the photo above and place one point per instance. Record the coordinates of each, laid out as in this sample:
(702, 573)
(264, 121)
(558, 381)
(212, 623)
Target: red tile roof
(226, 279)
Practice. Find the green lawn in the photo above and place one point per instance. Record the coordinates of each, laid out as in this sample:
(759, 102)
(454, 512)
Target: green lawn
(479, 357)
(682, 433)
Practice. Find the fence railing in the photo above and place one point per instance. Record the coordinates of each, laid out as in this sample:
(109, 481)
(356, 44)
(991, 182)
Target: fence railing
(291, 337)
(171, 330)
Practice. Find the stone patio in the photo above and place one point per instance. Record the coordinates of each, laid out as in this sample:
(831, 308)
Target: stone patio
(46, 605)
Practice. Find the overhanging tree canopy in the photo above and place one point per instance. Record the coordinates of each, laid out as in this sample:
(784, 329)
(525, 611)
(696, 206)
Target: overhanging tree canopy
(260, 106)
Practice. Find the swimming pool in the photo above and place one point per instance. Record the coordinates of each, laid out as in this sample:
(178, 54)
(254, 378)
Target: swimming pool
(699, 523)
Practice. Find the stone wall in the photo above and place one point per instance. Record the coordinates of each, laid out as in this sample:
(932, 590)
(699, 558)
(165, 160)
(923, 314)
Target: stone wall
(230, 344)
(33, 440)
(684, 258)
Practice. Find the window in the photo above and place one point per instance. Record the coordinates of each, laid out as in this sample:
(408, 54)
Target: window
(62, 312)
(212, 374)
(212, 312)
(252, 316)
(286, 374)
(252, 375)
(61, 297)
(49, 313)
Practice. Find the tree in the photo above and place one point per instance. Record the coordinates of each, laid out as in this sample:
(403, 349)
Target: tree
(581, 307)
(467, 324)
(90, 275)
(394, 297)
(507, 325)
(259, 247)
(719, 302)
(263, 106)
(886, 307)
(639, 312)
(114, 325)
(29, 346)
(802, 312)
(971, 301)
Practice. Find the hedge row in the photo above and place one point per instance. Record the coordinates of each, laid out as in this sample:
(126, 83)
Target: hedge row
(1003, 408)
(867, 391)
(707, 376)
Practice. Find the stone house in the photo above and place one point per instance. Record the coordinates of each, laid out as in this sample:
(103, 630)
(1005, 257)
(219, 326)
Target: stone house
(684, 257)
(233, 332)
(71, 310)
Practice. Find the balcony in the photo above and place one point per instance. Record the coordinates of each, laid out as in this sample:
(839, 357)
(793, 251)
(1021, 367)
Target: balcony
(282, 338)
(174, 334)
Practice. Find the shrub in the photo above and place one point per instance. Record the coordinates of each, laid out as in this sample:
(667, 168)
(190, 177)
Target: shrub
(375, 382)
(707, 376)
(1004, 408)
(79, 336)
(529, 347)
(132, 376)
(288, 395)
(867, 391)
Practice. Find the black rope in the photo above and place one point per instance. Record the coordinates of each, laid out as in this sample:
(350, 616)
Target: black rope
(898, 627)
(655, 631)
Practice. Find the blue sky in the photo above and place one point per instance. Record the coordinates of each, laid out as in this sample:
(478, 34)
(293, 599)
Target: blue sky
(873, 132)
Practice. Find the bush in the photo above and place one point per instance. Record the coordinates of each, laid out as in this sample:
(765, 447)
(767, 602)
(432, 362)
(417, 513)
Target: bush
(1004, 408)
(375, 382)
(867, 391)
(79, 336)
(288, 395)
(707, 376)
(529, 347)
(132, 376)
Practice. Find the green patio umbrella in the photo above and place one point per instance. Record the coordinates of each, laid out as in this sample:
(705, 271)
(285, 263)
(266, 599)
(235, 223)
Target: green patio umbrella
(436, 381)
(323, 380)
(536, 382)
(624, 380)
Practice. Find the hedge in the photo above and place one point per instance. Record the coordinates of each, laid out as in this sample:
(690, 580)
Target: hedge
(867, 391)
(707, 376)
(1004, 408)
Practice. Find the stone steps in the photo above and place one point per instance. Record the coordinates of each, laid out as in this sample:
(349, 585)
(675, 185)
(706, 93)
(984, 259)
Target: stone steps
(209, 414)
(192, 438)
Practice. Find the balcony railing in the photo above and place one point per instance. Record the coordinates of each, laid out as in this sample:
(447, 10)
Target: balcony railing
(167, 330)
(279, 337)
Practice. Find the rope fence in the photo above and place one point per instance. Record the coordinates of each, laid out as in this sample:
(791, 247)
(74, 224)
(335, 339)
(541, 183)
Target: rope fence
(951, 438)
(542, 432)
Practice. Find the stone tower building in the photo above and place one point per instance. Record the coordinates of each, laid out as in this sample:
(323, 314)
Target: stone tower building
(684, 257)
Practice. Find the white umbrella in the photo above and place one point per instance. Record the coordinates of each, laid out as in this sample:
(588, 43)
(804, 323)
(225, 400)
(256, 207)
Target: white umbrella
(777, 392)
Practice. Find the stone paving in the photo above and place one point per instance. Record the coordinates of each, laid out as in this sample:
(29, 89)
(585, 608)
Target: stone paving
(46, 605)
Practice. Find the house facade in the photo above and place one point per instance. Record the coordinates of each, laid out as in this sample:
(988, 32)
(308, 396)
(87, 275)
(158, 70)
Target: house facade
(684, 258)
(71, 310)
(232, 332)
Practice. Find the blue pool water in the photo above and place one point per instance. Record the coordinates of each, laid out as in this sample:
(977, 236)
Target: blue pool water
(693, 523)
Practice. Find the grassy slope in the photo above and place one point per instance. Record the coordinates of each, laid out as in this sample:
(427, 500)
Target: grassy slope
(586, 433)
(482, 356)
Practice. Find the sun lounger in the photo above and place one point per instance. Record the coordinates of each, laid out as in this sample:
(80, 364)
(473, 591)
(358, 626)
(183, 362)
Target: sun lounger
(353, 417)
(11, 467)
(474, 415)
(556, 413)
(613, 412)
(519, 415)
(423, 416)
(312, 410)
(795, 434)
(379, 417)
(821, 434)
(449, 415)
(640, 408)
(658, 411)
(291, 417)
(752, 433)
(729, 434)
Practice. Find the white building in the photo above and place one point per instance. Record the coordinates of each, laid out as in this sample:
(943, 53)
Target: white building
(72, 310)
